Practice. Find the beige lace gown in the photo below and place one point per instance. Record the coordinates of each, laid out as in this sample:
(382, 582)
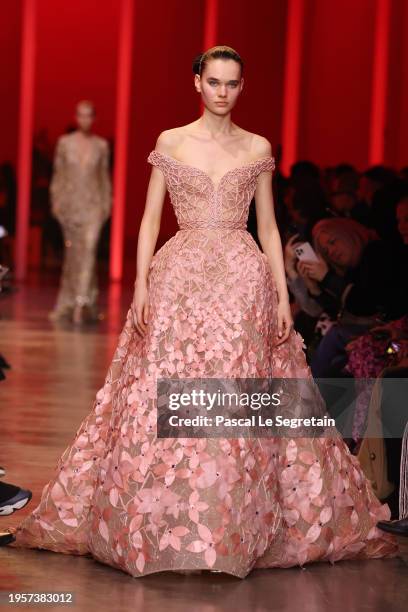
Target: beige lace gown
(81, 201)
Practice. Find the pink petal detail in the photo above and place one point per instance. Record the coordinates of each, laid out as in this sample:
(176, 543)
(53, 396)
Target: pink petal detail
(197, 546)
(103, 530)
(205, 533)
(140, 562)
(114, 497)
(180, 531)
(210, 556)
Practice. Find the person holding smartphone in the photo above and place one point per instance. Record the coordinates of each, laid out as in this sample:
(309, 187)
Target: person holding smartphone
(357, 276)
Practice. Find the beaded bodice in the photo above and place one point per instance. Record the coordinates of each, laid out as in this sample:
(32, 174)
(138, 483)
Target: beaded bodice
(199, 203)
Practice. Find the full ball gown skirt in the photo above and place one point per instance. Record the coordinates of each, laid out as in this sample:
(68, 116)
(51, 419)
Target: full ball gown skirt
(146, 504)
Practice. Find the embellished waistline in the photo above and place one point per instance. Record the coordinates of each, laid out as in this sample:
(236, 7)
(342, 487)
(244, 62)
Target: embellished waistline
(213, 228)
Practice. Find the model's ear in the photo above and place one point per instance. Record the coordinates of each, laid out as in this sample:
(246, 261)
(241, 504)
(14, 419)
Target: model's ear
(242, 84)
(197, 82)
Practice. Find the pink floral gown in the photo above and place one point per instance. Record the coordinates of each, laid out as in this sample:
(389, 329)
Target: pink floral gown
(146, 504)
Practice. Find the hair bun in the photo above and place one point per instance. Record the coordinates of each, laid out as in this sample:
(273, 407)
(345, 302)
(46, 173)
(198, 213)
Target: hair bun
(220, 51)
(197, 63)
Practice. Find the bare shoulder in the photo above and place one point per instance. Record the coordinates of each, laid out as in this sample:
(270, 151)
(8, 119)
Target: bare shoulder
(256, 145)
(64, 138)
(63, 141)
(260, 146)
(102, 143)
(168, 140)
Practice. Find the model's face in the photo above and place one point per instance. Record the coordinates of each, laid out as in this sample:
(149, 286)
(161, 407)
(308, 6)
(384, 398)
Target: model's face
(220, 85)
(402, 219)
(85, 117)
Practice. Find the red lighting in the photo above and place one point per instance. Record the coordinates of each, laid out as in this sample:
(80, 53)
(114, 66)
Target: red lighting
(121, 141)
(292, 80)
(24, 162)
(380, 76)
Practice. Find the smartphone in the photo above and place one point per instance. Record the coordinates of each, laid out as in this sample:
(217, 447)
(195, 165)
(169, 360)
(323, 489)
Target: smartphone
(305, 252)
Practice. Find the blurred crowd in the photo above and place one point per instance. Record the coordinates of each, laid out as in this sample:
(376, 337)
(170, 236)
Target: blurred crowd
(345, 237)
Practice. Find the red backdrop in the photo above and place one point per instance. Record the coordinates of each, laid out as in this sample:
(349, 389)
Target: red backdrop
(77, 57)
(10, 18)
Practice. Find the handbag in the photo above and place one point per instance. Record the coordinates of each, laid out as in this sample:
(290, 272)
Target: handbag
(372, 454)
(348, 318)
(345, 317)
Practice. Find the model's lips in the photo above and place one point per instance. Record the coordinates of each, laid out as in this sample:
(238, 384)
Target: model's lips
(221, 103)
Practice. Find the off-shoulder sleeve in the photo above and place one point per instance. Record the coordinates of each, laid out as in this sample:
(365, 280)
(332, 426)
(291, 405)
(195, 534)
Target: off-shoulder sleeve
(266, 165)
(156, 159)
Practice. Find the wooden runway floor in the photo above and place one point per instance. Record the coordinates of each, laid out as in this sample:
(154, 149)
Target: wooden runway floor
(55, 373)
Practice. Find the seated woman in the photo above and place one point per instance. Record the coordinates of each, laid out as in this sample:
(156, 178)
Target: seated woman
(305, 202)
(308, 313)
(358, 275)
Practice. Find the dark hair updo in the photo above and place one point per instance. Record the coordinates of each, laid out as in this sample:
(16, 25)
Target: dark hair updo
(220, 51)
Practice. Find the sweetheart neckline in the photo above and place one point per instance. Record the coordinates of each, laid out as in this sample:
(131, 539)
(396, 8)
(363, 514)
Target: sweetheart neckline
(203, 172)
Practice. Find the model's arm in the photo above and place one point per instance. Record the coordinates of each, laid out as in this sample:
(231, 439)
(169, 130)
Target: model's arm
(147, 239)
(270, 240)
(57, 185)
(105, 182)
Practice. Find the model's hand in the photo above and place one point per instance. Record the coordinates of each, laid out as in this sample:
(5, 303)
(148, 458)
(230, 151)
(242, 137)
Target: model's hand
(55, 211)
(140, 307)
(290, 256)
(316, 270)
(285, 321)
